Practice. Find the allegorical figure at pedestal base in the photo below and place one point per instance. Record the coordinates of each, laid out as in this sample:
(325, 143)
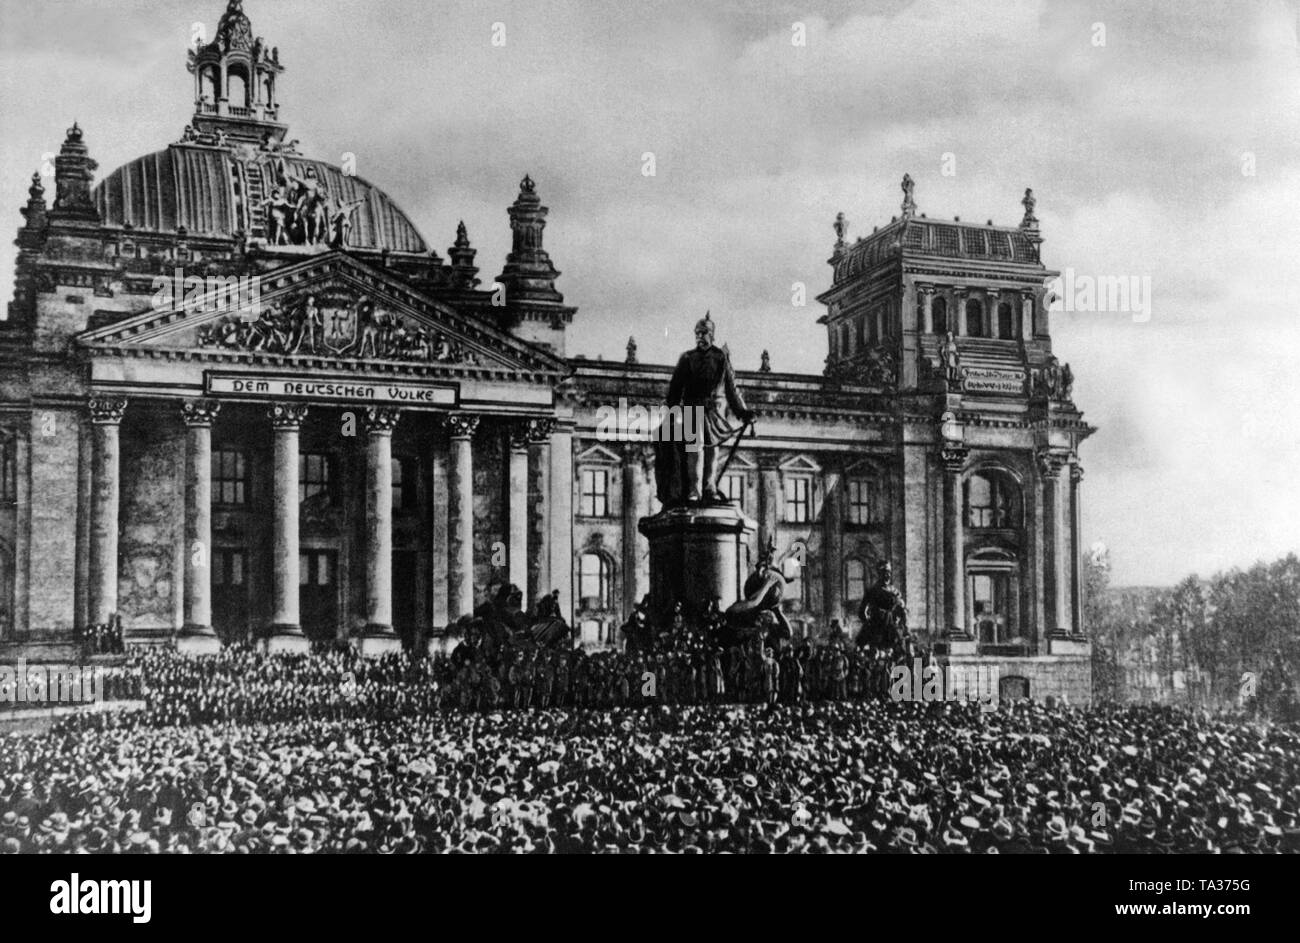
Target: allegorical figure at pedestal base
(883, 614)
(759, 609)
(703, 386)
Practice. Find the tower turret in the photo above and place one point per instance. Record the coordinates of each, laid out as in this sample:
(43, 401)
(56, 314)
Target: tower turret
(74, 172)
(235, 79)
(534, 309)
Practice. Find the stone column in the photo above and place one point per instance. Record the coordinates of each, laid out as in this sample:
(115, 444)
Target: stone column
(1076, 556)
(197, 634)
(460, 514)
(991, 326)
(636, 504)
(106, 419)
(927, 310)
(1028, 323)
(958, 316)
(833, 539)
(954, 563)
(1050, 464)
(517, 546)
(769, 487)
(562, 517)
(539, 438)
(286, 630)
(379, 635)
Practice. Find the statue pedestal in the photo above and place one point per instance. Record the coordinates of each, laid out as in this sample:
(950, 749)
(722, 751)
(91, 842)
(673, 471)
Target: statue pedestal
(695, 554)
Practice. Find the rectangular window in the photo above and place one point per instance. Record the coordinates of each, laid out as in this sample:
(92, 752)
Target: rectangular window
(313, 475)
(733, 489)
(855, 581)
(228, 568)
(404, 482)
(798, 500)
(594, 494)
(990, 597)
(229, 477)
(862, 501)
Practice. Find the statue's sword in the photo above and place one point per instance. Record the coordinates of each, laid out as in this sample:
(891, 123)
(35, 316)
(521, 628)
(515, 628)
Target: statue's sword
(740, 434)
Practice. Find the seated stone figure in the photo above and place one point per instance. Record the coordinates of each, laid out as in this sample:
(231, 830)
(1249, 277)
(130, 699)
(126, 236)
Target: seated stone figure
(548, 628)
(636, 630)
(759, 608)
(883, 614)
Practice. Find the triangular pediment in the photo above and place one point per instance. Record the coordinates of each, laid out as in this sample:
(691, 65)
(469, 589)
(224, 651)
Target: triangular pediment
(599, 454)
(329, 308)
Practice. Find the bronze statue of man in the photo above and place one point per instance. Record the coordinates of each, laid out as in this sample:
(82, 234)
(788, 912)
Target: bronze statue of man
(703, 386)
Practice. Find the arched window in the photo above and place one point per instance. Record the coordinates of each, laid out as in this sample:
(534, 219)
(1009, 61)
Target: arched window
(595, 582)
(975, 319)
(991, 501)
(237, 88)
(855, 582)
(795, 568)
(939, 314)
(1006, 322)
(590, 632)
(208, 85)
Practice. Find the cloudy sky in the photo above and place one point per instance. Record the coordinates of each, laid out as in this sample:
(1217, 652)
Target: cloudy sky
(1160, 139)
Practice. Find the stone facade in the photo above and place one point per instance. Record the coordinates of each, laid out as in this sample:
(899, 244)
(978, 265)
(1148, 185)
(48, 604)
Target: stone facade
(266, 408)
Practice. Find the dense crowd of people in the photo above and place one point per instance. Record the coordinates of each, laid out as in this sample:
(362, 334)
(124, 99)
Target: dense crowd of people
(102, 639)
(245, 752)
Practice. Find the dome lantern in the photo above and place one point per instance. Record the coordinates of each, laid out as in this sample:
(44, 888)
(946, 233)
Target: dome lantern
(235, 82)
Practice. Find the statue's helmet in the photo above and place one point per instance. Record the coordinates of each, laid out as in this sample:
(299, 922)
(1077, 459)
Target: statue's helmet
(885, 570)
(705, 324)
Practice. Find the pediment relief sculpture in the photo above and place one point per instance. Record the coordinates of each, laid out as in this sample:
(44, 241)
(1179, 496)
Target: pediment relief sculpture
(334, 323)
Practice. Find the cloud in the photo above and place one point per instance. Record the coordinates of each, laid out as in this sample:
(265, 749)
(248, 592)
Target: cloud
(1135, 148)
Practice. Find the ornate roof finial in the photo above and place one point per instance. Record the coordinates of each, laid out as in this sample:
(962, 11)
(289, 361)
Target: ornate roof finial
(74, 171)
(765, 365)
(631, 350)
(526, 185)
(841, 227)
(909, 204)
(34, 211)
(1030, 222)
(462, 258)
(233, 30)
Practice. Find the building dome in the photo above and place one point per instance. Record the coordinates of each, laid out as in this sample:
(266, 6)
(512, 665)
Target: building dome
(216, 191)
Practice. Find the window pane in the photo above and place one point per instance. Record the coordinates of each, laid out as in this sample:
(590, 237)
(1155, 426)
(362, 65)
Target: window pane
(236, 569)
(589, 576)
(228, 473)
(304, 569)
(856, 585)
(323, 567)
(939, 312)
(733, 489)
(796, 499)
